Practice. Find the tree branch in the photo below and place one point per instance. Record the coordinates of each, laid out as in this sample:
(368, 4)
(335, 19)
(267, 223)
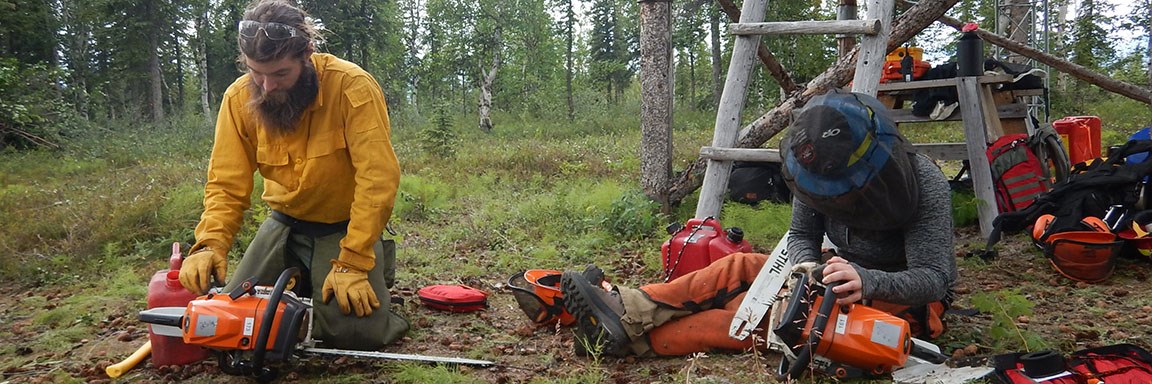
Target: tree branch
(1134, 92)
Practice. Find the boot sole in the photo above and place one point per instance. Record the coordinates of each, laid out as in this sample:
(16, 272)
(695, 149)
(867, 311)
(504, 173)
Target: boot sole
(598, 324)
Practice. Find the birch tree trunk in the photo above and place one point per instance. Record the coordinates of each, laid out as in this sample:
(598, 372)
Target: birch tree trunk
(202, 47)
(1015, 24)
(485, 107)
(156, 97)
(717, 59)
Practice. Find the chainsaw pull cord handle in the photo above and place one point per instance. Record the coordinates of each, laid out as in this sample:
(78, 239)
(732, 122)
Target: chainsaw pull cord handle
(804, 357)
(261, 346)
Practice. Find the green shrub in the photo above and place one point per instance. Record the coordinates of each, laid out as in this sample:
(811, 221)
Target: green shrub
(633, 216)
(1005, 307)
(965, 211)
(439, 139)
(33, 111)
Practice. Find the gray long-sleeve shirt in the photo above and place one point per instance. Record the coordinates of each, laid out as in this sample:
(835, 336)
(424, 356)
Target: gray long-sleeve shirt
(914, 265)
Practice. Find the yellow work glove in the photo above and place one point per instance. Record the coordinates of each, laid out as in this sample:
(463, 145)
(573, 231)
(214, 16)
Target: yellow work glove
(353, 293)
(199, 267)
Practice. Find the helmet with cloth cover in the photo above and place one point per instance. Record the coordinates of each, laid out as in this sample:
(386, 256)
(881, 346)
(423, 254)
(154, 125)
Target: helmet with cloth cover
(537, 293)
(844, 157)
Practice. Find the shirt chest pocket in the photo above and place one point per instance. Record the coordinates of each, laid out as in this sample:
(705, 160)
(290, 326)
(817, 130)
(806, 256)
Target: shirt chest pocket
(273, 155)
(326, 144)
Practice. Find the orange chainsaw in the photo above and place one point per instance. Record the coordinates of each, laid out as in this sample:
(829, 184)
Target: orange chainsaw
(847, 341)
(254, 325)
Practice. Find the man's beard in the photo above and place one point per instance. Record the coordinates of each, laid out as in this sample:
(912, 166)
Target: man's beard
(280, 111)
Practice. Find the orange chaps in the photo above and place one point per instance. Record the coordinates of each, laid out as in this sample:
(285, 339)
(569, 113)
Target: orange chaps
(711, 295)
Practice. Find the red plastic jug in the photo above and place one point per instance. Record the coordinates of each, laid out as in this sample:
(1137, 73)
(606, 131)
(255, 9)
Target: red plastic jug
(1081, 137)
(698, 243)
(165, 290)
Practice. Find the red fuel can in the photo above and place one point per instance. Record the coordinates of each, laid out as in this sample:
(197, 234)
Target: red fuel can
(165, 290)
(1081, 137)
(699, 243)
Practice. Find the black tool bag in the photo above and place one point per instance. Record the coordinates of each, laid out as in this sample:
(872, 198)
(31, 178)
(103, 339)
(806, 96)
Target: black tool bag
(753, 182)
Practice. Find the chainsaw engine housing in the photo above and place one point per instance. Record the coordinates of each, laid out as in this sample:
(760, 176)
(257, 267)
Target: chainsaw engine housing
(867, 339)
(220, 322)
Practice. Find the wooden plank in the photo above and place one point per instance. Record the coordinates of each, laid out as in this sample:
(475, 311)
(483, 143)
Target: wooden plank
(943, 151)
(873, 48)
(810, 27)
(1025, 92)
(937, 83)
(991, 120)
(715, 183)
(971, 109)
(741, 154)
(938, 151)
(1005, 111)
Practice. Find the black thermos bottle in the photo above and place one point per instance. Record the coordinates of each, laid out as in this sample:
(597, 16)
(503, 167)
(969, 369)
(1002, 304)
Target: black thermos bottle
(969, 52)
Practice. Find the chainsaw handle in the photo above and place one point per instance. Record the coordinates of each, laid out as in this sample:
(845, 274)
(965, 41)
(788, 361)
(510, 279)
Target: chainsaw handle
(804, 357)
(261, 346)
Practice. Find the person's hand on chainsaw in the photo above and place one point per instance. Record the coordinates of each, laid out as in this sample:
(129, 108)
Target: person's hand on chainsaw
(850, 289)
(352, 290)
(200, 267)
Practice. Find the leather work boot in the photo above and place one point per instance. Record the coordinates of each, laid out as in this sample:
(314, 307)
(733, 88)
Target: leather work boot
(594, 274)
(597, 313)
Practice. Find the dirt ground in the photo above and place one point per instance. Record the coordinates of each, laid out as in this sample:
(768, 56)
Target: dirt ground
(1066, 314)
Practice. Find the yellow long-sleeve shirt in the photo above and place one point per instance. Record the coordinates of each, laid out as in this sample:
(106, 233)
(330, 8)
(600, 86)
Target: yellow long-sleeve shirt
(337, 165)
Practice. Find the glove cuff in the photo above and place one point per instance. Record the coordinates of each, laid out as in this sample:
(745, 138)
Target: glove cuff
(355, 261)
(211, 245)
(343, 267)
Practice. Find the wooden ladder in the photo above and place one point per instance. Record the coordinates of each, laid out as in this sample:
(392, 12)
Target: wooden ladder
(978, 111)
(875, 27)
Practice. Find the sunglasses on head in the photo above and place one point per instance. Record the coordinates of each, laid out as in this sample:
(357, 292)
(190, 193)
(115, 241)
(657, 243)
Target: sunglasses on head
(275, 31)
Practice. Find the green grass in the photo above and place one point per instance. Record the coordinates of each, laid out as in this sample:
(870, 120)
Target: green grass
(101, 217)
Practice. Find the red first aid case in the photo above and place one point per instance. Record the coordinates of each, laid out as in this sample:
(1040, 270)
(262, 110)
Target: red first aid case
(453, 298)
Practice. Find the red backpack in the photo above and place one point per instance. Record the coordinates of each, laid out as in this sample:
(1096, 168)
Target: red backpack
(1017, 173)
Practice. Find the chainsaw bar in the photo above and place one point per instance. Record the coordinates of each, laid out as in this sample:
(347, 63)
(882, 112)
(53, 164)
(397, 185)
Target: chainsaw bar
(762, 294)
(401, 357)
(764, 290)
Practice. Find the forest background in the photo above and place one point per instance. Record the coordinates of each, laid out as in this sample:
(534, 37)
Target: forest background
(107, 109)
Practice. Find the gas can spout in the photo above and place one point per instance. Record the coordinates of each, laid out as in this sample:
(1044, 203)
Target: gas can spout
(177, 258)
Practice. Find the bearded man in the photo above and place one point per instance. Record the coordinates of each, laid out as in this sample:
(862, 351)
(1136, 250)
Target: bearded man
(316, 128)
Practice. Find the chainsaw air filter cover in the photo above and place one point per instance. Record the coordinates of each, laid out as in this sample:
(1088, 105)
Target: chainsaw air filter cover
(453, 298)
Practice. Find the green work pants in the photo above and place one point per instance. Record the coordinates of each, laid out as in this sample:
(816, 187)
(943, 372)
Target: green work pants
(276, 248)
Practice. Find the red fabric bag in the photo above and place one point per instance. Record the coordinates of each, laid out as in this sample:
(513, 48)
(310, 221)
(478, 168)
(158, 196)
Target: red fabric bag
(1112, 364)
(453, 298)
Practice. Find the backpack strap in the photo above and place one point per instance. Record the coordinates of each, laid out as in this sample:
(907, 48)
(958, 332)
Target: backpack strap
(1045, 142)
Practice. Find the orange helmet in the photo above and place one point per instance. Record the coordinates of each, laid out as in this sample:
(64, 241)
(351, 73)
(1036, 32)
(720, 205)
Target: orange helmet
(1087, 252)
(1040, 230)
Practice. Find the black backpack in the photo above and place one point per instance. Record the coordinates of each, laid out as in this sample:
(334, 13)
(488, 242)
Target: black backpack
(753, 182)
